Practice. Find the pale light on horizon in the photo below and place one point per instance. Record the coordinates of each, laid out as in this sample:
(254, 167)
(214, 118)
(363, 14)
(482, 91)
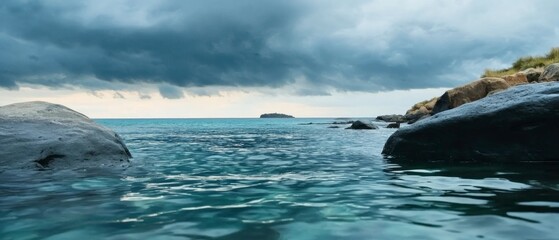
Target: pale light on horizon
(226, 104)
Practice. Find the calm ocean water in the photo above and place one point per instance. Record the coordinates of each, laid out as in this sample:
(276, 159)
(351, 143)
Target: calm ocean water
(276, 179)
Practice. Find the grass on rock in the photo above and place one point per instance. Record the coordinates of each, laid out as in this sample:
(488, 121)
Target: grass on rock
(525, 63)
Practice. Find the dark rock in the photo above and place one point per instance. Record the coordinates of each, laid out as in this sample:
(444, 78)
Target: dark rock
(532, 74)
(412, 118)
(518, 124)
(442, 104)
(275, 115)
(344, 122)
(360, 125)
(334, 127)
(393, 125)
(419, 119)
(392, 118)
(550, 73)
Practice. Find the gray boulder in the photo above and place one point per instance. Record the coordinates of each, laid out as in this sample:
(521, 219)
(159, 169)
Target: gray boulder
(45, 135)
(550, 73)
(518, 124)
(393, 125)
(532, 74)
(392, 118)
(360, 125)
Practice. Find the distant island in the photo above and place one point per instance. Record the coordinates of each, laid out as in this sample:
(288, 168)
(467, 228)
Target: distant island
(275, 115)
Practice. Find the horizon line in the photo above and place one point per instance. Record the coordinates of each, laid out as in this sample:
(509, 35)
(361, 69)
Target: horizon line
(149, 118)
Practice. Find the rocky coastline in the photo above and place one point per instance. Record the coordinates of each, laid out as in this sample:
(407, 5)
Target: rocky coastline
(506, 119)
(492, 119)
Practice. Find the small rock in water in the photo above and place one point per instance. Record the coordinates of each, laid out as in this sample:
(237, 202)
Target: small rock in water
(343, 122)
(360, 125)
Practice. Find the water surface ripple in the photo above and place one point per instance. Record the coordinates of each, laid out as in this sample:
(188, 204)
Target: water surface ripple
(276, 179)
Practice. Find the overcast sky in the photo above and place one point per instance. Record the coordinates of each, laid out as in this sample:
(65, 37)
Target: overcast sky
(290, 56)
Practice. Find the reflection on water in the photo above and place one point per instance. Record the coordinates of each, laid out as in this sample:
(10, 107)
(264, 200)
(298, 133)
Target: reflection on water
(276, 179)
(510, 200)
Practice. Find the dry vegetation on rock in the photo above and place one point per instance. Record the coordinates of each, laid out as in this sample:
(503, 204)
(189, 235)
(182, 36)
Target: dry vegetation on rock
(525, 63)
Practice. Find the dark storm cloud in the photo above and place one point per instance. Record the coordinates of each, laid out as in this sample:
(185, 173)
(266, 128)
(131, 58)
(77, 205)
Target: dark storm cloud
(170, 92)
(348, 46)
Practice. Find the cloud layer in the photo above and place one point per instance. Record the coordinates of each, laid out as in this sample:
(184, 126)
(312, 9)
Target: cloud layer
(343, 45)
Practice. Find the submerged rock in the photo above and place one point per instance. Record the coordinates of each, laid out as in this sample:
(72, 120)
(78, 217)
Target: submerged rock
(360, 125)
(518, 124)
(45, 135)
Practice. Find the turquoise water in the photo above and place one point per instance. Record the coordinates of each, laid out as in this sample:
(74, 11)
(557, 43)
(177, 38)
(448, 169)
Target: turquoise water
(276, 179)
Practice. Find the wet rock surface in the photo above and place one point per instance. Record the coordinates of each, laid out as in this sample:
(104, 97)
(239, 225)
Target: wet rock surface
(362, 125)
(518, 124)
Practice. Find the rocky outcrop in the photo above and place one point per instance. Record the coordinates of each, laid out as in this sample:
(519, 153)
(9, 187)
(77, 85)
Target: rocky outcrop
(518, 124)
(420, 110)
(468, 93)
(532, 74)
(523, 77)
(392, 118)
(275, 115)
(412, 118)
(44, 135)
(550, 73)
(361, 125)
(393, 125)
(516, 79)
